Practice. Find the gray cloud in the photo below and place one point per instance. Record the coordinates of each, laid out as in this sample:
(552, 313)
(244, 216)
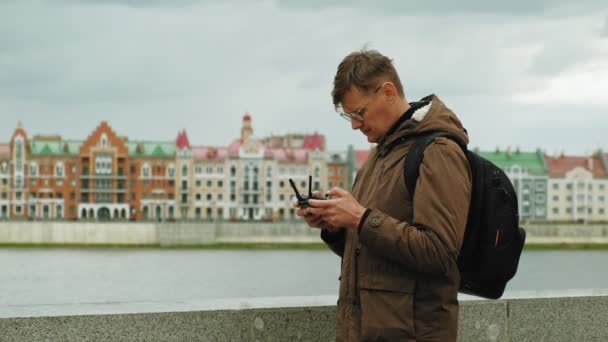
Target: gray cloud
(442, 7)
(154, 68)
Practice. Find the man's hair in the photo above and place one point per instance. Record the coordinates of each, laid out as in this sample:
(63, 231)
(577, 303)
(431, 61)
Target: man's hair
(364, 69)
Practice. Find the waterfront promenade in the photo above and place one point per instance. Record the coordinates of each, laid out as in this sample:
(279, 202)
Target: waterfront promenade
(209, 233)
(564, 316)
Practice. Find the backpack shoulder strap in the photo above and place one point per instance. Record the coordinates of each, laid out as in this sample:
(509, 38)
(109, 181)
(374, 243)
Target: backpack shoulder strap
(413, 159)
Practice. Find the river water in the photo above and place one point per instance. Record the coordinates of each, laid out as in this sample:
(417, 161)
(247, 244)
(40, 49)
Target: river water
(62, 276)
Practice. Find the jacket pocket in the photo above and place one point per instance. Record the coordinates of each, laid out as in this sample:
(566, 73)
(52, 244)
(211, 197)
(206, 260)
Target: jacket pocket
(387, 308)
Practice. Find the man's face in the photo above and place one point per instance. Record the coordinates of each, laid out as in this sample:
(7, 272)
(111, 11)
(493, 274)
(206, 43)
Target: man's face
(369, 112)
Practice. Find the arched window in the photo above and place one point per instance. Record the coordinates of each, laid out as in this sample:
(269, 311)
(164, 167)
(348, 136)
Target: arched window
(104, 141)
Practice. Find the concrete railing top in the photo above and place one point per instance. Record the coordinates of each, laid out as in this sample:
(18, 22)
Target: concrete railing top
(106, 308)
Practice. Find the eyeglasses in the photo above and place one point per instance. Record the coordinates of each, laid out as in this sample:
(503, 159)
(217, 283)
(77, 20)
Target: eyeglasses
(358, 114)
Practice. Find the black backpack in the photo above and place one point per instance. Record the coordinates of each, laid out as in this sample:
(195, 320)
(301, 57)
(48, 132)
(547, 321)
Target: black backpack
(493, 240)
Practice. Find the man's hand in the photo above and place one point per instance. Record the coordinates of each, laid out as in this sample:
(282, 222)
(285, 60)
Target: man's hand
(342, 210)
(312, 220)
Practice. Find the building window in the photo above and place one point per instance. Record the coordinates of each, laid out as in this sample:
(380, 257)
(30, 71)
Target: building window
(232, 171)
(220, 184)
(198, 183)
(171, 171)
(208, 197)
(33, 170)
(556, 210)
(198, 197)
(104, 141)
(208, 183)
(103, 164)
(184, 170)
(145, 171)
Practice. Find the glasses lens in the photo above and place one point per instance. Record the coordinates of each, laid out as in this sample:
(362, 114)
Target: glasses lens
(346, 117)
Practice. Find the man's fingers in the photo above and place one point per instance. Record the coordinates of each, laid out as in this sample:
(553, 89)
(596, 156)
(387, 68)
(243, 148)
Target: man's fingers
(337, 192)
(321, 203)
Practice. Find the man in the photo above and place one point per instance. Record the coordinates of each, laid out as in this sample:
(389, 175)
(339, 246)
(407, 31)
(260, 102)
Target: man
(399, 279)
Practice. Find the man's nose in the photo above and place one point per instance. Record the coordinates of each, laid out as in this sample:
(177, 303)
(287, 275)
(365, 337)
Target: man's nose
(355, 124)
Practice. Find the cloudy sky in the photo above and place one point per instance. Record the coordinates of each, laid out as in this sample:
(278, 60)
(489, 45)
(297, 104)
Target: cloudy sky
(522, 73)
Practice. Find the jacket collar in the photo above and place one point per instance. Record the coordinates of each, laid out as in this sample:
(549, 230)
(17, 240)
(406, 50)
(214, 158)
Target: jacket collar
(389, 139)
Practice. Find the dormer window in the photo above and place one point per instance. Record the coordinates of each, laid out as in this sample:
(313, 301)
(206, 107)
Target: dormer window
(104, 141)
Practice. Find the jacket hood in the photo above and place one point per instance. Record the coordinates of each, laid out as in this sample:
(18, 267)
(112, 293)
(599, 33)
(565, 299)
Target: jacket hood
(428, 114)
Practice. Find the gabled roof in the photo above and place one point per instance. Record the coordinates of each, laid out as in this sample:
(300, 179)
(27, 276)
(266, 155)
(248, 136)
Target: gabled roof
(182, 141)
(533, 162)
(54, 147)
(559, 166)
(155, 149)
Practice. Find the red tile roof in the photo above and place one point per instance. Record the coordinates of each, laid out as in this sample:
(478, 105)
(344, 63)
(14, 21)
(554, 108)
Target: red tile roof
(288, 154)
(314, 142)
(246, 117)
(182, 142)
(211, 153)
(559, 166)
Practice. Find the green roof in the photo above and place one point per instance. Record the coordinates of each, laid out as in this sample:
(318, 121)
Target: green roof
(55, 147)
(532, 161)
(72, 148)
(151, 149)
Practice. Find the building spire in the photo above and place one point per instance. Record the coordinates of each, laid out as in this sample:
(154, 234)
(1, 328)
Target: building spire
(247, 129)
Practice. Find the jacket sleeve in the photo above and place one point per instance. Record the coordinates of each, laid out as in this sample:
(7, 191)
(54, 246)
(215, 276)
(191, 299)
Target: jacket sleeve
(431, 243)
(334, 240)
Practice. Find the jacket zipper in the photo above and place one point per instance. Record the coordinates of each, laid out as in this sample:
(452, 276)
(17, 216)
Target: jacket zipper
(357, 299)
